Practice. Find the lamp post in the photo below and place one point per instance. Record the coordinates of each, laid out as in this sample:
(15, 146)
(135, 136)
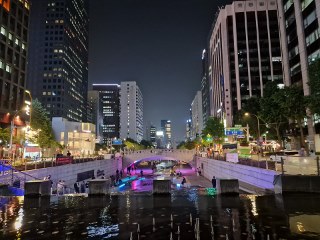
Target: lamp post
(248, 114)
(29, 93)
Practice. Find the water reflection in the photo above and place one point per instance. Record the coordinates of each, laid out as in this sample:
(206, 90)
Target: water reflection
(114, 217)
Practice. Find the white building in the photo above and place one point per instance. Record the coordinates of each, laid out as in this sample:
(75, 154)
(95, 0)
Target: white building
(131, 113)
(78, 138)
(197, 115)
(244, 54)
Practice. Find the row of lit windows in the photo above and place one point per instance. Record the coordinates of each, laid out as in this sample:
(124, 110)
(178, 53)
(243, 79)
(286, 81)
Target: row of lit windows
(9, 35)
(5, 67)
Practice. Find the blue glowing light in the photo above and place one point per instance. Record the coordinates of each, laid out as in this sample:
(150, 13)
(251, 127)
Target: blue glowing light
(178, 185)
(122, 185)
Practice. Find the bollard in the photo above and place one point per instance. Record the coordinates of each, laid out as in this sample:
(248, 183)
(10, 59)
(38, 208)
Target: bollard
(212, 231)
(131, 236)
(190, 219)
(153, 221)
(211, 220)
(171, 237)
(171, 218)
(138, 228)
(268, 237)
(227, 237)
(178, 232)
(318, 166)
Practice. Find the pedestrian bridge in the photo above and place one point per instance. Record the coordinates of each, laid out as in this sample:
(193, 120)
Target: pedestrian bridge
(158, 154)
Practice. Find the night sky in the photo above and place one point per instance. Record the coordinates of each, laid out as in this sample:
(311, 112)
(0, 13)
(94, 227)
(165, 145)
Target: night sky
(158, 44)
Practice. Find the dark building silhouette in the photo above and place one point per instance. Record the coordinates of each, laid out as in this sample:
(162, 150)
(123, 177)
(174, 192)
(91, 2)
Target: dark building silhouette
(58, 57)
(14, 28)
(106, 101)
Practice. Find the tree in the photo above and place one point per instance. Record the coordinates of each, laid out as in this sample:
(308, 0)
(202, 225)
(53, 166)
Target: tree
(271, 108)
(215, 129)
(41, 125)
(4, 135)
(293, 104)
(251, 106)
(313, 101)
(146, 144)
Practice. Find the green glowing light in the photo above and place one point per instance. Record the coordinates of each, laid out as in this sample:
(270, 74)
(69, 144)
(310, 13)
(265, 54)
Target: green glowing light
(211, 191)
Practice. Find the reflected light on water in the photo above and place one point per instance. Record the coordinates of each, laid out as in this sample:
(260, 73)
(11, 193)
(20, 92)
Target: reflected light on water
(18, 222)
(105, 231)
(253, 204)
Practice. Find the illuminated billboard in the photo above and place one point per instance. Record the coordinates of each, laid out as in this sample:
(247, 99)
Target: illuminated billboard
(5, 4)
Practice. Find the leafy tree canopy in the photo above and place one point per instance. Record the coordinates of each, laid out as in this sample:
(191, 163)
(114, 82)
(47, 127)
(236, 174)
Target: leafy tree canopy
(215, 129)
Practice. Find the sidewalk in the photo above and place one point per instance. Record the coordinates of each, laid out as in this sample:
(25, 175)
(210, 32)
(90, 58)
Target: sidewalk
(195, 180)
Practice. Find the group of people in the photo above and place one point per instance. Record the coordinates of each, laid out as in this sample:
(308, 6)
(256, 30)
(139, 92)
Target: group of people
(80, 187)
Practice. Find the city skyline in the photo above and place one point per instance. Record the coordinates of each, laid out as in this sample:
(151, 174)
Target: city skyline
(148, 42)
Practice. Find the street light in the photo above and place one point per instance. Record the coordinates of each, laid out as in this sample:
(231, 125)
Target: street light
(248, 114)
(29, 93)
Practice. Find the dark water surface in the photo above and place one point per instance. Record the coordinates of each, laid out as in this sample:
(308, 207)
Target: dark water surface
(116, 216)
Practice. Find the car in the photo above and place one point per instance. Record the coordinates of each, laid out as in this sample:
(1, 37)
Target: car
(283, 154)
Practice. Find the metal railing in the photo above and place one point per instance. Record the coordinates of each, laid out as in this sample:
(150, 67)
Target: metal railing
(28, 164)
(290, 165)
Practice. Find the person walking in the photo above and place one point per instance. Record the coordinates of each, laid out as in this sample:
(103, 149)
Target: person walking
(214, 182)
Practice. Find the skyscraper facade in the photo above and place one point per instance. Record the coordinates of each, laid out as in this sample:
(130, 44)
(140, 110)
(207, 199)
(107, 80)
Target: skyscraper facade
(300, 41)
(244, 54)
(14, 29)
(197, 116)
(153, 135)
(107, 117)
(131, 113)
(205, 87)
(58, 57)
(167, 134)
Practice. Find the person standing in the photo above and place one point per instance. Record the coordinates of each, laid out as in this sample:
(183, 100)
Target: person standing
(76, 187)
(214, 182)
(183, 181)
(83, 187)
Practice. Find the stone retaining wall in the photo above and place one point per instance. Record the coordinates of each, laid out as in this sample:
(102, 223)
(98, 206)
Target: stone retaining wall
(68, 172)
(257, 177)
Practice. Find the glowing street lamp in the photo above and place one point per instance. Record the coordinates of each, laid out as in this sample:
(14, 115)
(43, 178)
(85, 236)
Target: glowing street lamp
(248, 114)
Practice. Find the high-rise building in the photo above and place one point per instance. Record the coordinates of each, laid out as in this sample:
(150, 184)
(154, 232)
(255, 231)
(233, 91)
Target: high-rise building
(244, 54)
(106, 98)
(188, 130)
(14, 29)
(300, 42)
(197, 116)
(205, 87)
(153, 135)
(131, 116)
(166, 128)
(58, 57)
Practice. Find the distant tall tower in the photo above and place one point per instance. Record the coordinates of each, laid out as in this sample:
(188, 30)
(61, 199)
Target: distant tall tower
(153, 135)
(14, 29)
(244, 54)
(205, 87)
(107, 117)
(197, 116)
(58, 57)
(166, 128)
(188, 130)
(131, 117)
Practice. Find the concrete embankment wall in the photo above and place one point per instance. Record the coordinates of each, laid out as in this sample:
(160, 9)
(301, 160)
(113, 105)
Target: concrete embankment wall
(68, 172)
(260, 178)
